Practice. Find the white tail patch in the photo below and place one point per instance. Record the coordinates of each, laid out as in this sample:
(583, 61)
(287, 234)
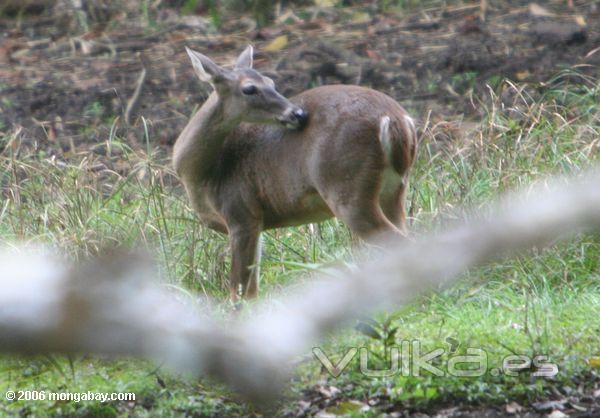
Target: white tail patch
(411, 125)
(411, 132)
(384, 137)
(410, 121)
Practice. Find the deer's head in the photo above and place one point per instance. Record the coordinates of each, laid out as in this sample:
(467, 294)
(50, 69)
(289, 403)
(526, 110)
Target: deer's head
(246, 94)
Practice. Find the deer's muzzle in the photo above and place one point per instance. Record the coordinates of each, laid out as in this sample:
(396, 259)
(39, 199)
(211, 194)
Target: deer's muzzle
(294, 118)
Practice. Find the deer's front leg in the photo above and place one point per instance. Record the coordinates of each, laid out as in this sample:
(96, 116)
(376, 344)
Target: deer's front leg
(245, 259)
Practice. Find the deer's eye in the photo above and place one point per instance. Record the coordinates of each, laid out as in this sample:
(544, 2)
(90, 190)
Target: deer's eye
(249, 89)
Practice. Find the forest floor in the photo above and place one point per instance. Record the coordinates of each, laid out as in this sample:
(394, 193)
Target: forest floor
(501, 102)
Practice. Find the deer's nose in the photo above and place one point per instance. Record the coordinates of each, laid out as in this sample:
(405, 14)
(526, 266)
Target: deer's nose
(294, 117)
(301, 116)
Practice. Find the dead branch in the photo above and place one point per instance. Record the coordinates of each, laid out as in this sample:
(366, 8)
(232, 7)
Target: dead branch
(135, 97)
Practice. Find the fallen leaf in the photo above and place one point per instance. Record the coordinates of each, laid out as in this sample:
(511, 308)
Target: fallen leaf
(513, 408)
(325, 3)
(360, 17)
(537, 10)
(277, 44)
(522, 75)
(86, 46)
(374, 55)
(594, 362)
(347, 407)
(329, 392)
(304, 405)
(549, 405)
(577, 407)
(580, 20)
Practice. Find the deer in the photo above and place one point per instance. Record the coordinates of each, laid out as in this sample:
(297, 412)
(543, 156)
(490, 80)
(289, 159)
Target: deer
(251, 159)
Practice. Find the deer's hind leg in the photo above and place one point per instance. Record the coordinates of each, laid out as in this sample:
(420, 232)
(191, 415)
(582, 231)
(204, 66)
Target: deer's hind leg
(392, 198)
(357, 204)
(367, 222)
(351, 185)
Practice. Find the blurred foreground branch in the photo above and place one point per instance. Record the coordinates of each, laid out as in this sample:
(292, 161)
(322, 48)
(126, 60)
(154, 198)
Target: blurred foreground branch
(113, 305)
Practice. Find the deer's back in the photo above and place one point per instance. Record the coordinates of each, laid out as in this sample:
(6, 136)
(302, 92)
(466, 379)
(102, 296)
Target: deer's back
(348, 105)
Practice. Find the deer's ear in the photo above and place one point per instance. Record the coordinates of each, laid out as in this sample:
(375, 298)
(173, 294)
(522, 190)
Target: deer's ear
(204, 67)
(245, 59)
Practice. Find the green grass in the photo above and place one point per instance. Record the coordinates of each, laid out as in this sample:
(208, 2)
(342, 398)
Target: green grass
(542, 303)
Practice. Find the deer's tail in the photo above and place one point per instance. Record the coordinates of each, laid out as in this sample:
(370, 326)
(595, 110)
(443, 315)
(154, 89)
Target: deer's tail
(398, 139)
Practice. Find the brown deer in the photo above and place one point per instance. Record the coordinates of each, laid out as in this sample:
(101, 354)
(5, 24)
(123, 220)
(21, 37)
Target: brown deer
(250, 160)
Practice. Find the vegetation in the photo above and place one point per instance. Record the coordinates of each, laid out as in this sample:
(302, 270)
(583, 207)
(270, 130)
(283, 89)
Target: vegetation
(542, 303)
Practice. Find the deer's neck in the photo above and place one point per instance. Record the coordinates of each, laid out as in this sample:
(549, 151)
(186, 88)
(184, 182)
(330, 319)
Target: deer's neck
(200, 143)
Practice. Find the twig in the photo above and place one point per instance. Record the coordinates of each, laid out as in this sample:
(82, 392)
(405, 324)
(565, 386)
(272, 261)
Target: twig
(133, 100)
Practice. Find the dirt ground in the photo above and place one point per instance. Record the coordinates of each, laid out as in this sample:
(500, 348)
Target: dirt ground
(61, 88)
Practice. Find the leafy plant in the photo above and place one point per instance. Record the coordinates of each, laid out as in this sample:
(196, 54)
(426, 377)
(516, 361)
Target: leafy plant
(383, 331)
